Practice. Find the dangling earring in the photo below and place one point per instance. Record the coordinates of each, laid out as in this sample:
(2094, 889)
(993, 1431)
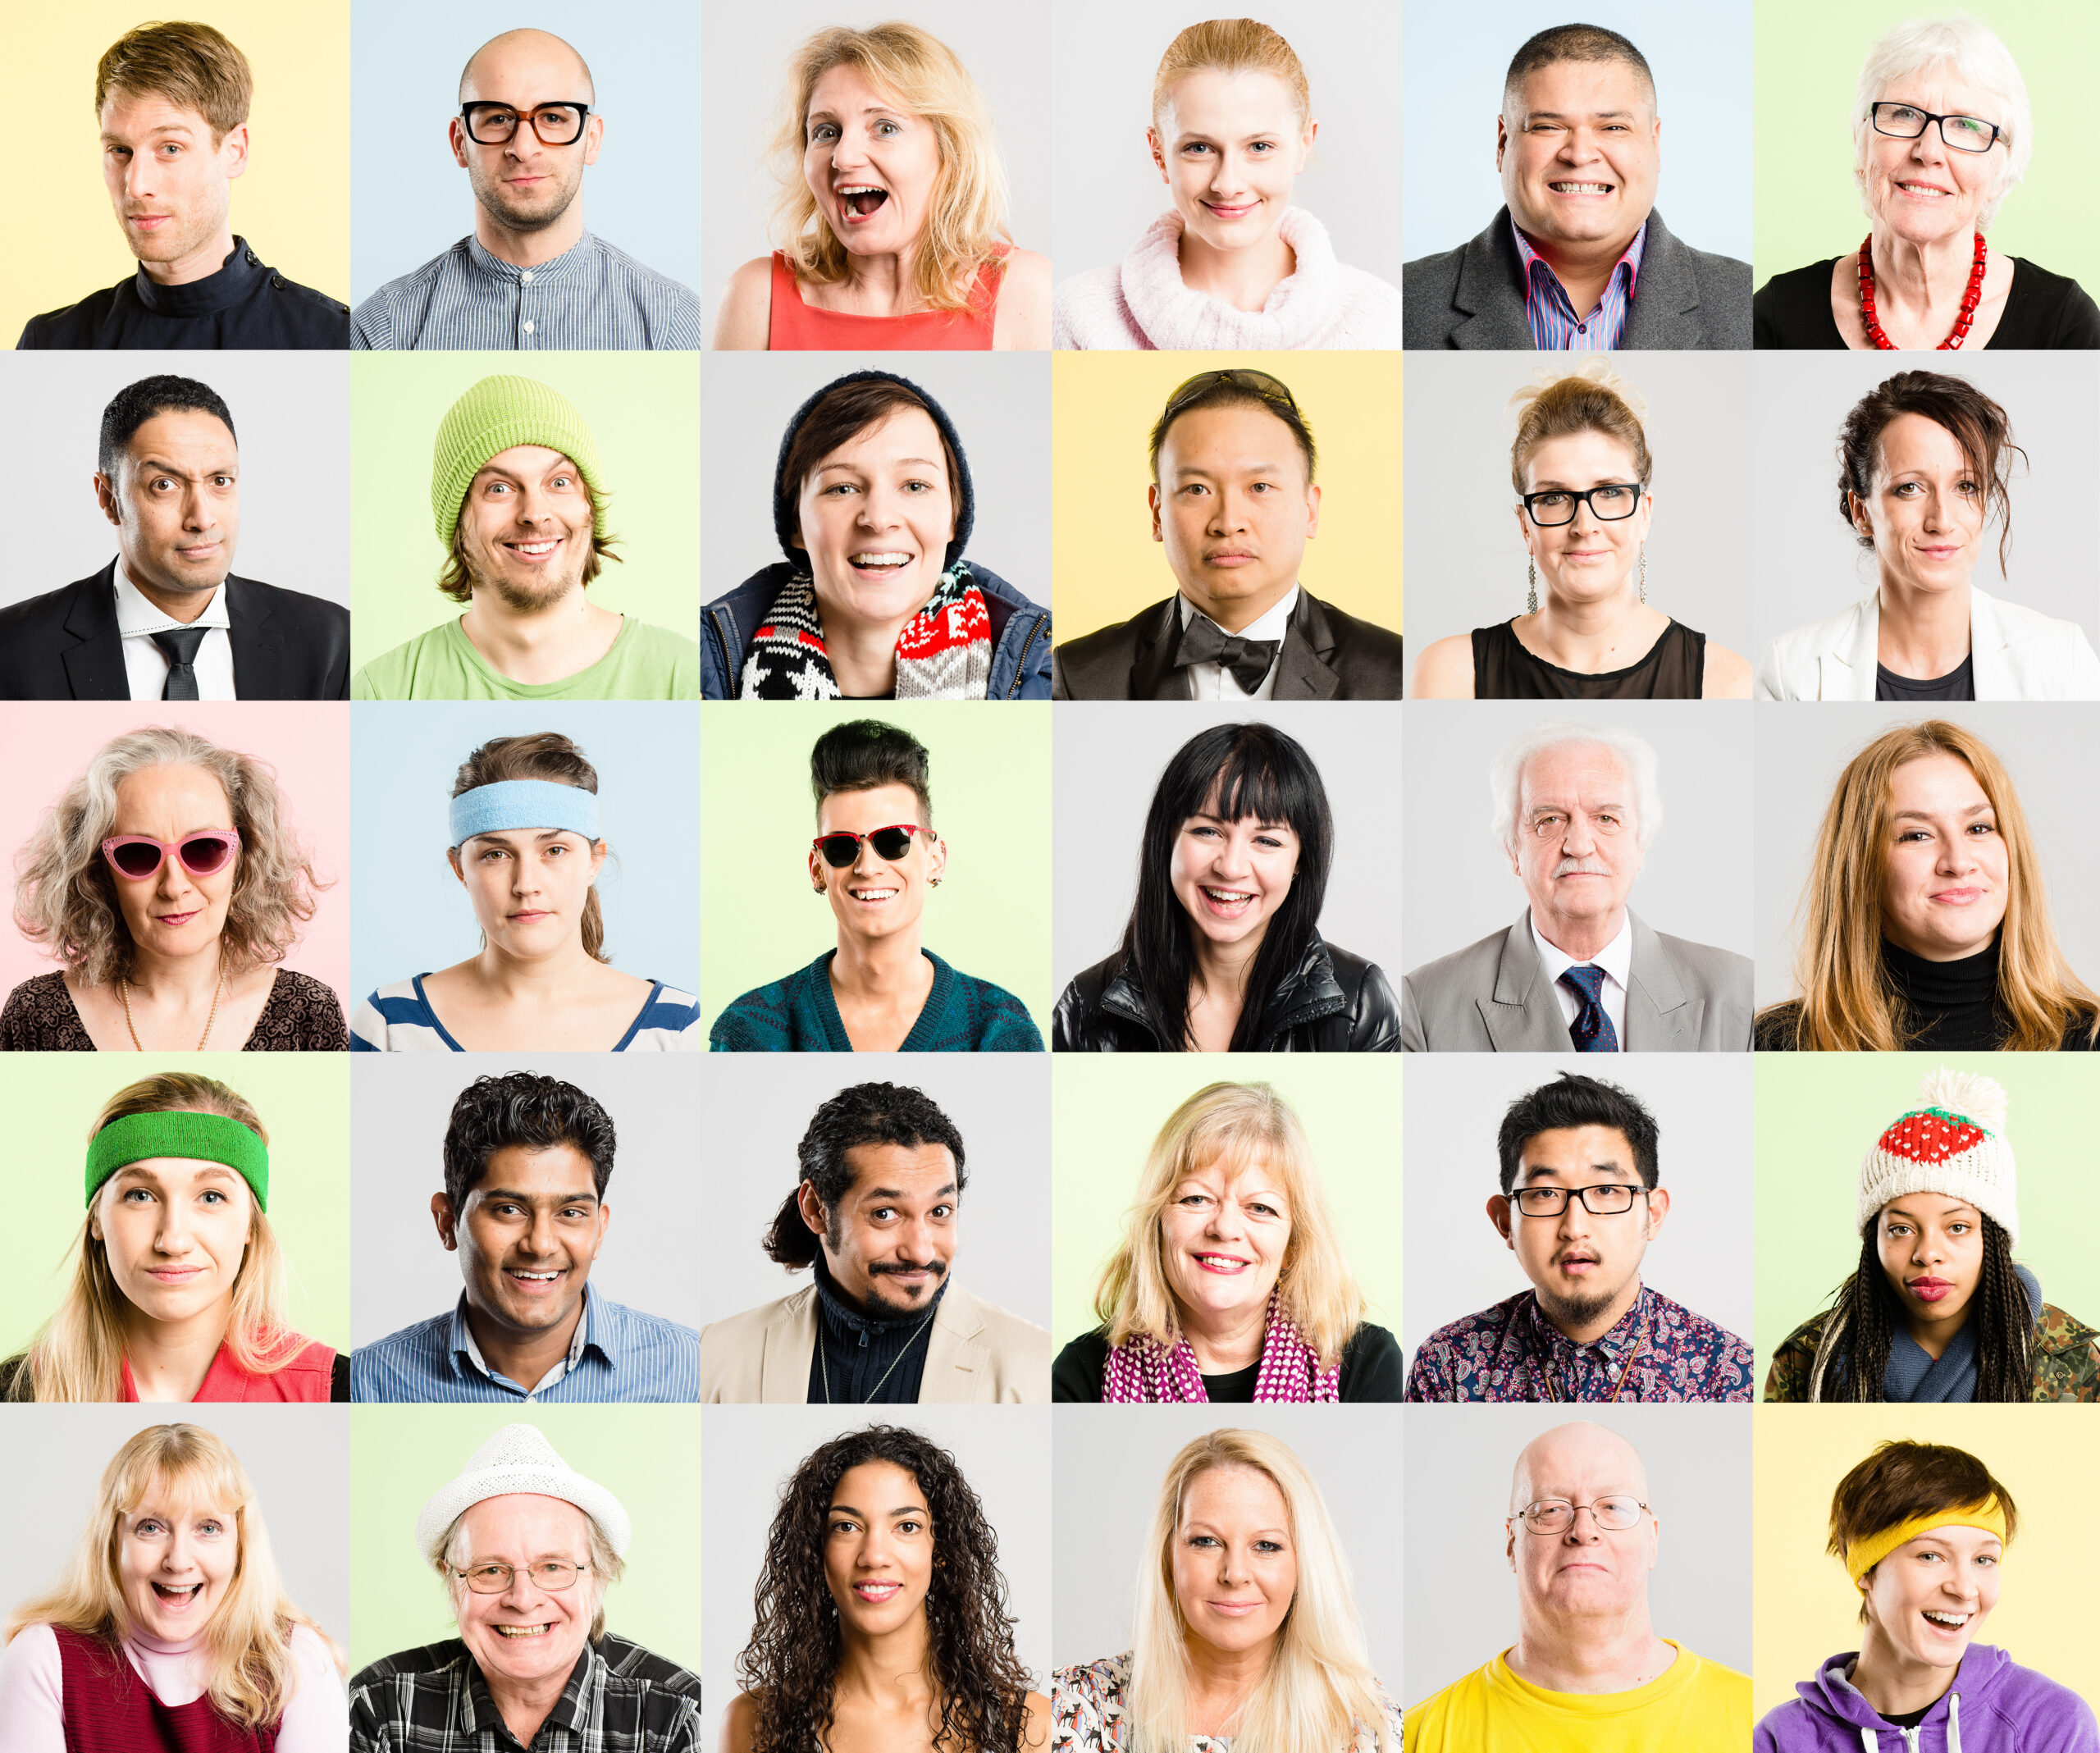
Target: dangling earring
(1644, 571)
(1531, 601)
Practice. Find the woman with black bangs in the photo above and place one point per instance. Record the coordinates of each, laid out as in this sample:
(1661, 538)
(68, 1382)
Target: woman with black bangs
(1223, 950)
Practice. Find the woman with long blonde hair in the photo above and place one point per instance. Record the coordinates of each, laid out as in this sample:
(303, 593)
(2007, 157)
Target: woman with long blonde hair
(169, 1628)
(178, 1283)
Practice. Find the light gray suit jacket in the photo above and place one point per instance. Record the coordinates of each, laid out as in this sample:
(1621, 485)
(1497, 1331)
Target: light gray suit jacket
(1492, 997)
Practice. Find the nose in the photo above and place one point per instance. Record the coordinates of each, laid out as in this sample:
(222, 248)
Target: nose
(171, 1234)
(1577, 841)
(1229, 514)
(848, 152)
(878, 508)
(1575, 1536)
(539, 1239)
(1574, 1219)
(522, 1592)
(173, 882)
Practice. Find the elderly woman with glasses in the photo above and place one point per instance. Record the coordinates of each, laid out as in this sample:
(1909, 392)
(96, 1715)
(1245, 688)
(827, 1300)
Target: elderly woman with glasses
(1941, 131)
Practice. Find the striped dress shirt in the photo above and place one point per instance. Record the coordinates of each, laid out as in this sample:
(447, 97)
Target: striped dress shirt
(591, 297)
(1555, 326)
(618, 1354)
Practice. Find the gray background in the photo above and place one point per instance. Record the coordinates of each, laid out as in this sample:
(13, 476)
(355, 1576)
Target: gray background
(1104, 55)
(1800, 405)
(1461, 1597)
(1110, 1461)
(999, 403)
(410, 202)
(291, 416)
(1451, 90)
(296, 1457)
(743, 76)
(399, 1106)
(1802, 747)
(759, 1106)
(1457, 886)
(1465, 559)
(1004, 1451)
(1457, 1264)
(1108, 761)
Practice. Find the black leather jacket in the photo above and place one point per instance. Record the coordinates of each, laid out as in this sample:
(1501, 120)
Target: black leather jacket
(1330, 1002)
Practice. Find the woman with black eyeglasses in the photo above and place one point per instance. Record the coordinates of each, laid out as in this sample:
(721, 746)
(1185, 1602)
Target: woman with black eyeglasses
(874, 859)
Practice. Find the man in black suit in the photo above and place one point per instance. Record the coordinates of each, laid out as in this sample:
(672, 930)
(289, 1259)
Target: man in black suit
(155, 623)
(1234, 502)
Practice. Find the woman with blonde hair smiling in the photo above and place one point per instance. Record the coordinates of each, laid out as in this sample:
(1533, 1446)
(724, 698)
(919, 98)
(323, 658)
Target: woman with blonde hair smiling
(893, 206)
(1230, 1284)
(169, 1628)
(1247, 1632)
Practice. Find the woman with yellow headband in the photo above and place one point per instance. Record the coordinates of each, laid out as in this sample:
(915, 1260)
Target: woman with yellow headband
(1920, 1529)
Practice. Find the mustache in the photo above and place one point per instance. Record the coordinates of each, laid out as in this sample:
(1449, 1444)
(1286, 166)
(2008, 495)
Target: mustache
(937, 1266)
(1581, 867)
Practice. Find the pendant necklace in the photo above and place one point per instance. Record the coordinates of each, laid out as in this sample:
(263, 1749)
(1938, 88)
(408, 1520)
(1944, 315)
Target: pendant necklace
(824, 1363)
(124, 992)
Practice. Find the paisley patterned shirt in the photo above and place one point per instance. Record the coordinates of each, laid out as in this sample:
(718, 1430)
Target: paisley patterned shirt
(1658, 1350)
(1086, 1709)
(2066, 1358)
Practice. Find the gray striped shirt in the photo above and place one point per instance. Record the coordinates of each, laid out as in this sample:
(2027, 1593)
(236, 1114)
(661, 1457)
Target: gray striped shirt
(592, 297)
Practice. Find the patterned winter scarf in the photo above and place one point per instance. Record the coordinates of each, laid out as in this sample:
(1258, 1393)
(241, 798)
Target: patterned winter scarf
(1143, 1372)
(944, 652)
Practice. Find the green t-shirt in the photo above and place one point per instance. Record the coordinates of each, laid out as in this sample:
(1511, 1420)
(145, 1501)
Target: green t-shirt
(646, 663)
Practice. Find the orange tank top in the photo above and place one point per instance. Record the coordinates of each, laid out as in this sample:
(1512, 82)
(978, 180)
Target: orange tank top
(795, 327)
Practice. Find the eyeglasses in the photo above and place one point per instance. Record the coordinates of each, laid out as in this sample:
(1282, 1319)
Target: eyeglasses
(1238, 377)
(890, 844)
(1556, 506)
(1606, 1199)
(496, 124)
(551, 1574)
(139, 856)
(1965, 134)
(1556, 1515)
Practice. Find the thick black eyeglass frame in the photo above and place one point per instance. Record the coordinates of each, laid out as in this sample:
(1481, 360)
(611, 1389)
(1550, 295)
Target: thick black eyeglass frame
(1997, 133)
(533, 114)
(1573, 499)
(1517, 1198)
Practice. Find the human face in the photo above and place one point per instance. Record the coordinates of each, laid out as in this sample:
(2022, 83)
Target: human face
(1577, 840)
(170, 184)
(175, 1561)
(1932, 1253)
(890, 1241)
(1235, 1563)
(1229, 147)
(1921, 190)
(176, 501)
(877, 1549)
(1232, 877)
(526, 1634)
(1586, 1572)
(1581, 1263)
(876, 516)
(174, 1231)
(1234, 510)
(525, 526)
(1926, 516)
(871, 163)
(1927, 1600)
(1949, 873)
(1590, 558)
(523, 184)
(529, 887)
(530, 1231)
(174, 913)
(1224, 1234)
(1579, 150)
(875, 898)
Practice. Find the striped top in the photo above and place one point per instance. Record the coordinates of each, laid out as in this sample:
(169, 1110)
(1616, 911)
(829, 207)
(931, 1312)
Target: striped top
(398, 1019)
(1555, 326)
(593, 296)
(618, 1354)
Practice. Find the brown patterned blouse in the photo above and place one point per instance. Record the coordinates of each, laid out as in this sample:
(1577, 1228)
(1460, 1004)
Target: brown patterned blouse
(301, 1016)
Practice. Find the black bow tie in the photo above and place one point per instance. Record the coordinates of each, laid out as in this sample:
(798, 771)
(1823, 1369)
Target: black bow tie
(1204, 641)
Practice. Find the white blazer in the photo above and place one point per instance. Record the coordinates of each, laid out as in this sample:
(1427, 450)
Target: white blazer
(2019, 655)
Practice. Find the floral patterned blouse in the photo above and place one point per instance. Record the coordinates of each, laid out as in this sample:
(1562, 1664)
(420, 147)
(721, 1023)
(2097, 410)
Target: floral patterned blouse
(1086, 1708)
(302, 1015)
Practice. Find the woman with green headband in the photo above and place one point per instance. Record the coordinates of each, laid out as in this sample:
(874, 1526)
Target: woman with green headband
(178, 1289)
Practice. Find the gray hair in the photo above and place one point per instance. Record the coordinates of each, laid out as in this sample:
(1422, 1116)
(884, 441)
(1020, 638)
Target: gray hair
(1976, 55)
(607, 1567)
(1636, 755)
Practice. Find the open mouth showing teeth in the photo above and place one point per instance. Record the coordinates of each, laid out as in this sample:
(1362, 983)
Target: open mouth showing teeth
(1220, 1262)
(523, 1631)
(1580, 188)
(1952, 1621)
(532, 550)
(182, 1595)
(862, 198)
(872, 895)
(1228, 897)
(880, 562)
(536, 1278)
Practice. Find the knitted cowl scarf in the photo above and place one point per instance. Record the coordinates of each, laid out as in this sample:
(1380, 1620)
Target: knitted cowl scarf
(1142, 1372)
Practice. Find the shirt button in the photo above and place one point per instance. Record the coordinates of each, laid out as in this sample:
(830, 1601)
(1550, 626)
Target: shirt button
(1581, 328)
(528, 328)
(527, 278)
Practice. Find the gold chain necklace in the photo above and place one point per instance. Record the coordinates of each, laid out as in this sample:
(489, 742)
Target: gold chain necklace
(124, 992)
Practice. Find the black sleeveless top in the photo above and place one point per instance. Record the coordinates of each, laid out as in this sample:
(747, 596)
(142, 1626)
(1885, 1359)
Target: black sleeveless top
(1673, 669)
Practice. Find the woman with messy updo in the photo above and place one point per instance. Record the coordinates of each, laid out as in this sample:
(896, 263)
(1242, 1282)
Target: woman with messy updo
(881, 1603)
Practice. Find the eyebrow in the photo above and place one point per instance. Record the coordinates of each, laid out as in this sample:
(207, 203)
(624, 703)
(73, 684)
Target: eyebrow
(1569, 487)
(526, 1199)
(498, 834)
(902, 463)
(167, 468)
(1927, 815)
(898, 1192)
(1259, 821)
(868, 109)
(903, 1509)
(138, 1171)
(1187, 469)
(158, 129)
(1594, 1168)
(1562, 115)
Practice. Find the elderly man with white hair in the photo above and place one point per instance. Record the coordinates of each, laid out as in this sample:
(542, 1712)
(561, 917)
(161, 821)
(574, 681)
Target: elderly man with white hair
(527, 1547)
(1574, 808)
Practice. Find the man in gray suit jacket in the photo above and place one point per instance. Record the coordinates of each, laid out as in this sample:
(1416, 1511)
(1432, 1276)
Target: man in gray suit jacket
(1576, 806)
(1578, 259)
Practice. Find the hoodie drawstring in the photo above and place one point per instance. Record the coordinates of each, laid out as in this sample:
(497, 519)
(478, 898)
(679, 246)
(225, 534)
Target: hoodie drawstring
(1954, 1723)
(1870, 1738)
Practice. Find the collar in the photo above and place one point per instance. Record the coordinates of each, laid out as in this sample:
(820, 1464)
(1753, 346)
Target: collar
(236, 278)
(584, 249)
(578, 1705)
(463, 1343)
(1944, 985)
(1270, 626)
(1615, 958)
(1616, 1343)
(136, 616)
(848, 1320)
(1629, 258)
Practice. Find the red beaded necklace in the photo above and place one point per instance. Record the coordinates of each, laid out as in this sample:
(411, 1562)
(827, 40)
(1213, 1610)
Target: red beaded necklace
(1967, 315)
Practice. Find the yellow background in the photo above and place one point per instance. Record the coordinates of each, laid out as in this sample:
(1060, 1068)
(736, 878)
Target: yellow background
(1806, 1609)
(293, 203)
(1105, 566)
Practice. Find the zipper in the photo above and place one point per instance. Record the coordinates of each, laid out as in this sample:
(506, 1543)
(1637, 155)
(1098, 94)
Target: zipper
(1020, 669)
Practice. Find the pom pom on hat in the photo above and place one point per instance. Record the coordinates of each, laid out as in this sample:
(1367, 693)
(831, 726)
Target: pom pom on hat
(1954, 1144)
(517, 1458)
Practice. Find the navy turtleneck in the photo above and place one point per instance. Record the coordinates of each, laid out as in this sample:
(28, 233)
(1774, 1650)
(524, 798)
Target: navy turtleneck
(246, 303)
(860, 1346)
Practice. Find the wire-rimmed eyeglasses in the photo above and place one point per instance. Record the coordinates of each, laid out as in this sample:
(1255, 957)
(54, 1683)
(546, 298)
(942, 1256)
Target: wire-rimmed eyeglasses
(1611, 501)
(1605, 1199)
(1556, 1515)
(496, 124)
(492, 1578)
(1906, 121)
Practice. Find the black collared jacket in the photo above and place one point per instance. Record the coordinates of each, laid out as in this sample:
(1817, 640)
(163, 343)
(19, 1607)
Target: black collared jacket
(246, 305)
(1326, 655)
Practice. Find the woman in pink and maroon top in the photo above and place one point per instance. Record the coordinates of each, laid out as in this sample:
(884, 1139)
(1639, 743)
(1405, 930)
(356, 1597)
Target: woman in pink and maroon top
(178, 1287)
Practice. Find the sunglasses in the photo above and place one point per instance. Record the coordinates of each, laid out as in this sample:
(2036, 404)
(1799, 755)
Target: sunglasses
(890, 844)
(203, 854)
(1236, 376)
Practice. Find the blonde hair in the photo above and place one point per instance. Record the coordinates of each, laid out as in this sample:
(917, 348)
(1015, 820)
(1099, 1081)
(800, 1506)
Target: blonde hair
(1846, 1003)
(607, 1567)
(1234, 1125)
(1318, 1689)
(192, 65)
(79, 1353)
(1231, 45)
(1589, 397)
(250, 1672)
(966, 218)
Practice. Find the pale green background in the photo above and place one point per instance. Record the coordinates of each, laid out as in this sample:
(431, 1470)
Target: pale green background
(304, 1102)
(643, 410)
(760, 917)
(648, 1457)
(1819, 1114)
(1809, 54)
(1107, 1108)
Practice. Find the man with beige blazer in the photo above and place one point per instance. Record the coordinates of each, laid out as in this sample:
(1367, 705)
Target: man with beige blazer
(875, 1219)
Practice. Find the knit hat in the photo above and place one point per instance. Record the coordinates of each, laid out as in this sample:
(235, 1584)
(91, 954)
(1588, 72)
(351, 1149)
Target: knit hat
(518, 1458)
(496, 413)
(1954, 1144)
(785, 493)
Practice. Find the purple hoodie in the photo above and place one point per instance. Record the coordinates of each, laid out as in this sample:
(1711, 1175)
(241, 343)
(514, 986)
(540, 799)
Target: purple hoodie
(1994, 1706)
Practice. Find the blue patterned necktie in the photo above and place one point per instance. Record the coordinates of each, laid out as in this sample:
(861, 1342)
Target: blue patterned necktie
(1591, 1031)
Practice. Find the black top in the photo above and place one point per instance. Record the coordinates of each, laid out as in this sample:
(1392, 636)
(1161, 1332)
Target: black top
(2042, 310)
(1674, 667)
(1952, 1006)
(246, 305)
(1958, 683)
(1371, 1371)
(1326, 654)
(874, 1360)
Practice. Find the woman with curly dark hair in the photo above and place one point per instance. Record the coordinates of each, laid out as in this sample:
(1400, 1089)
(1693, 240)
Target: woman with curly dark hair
(881, 1622)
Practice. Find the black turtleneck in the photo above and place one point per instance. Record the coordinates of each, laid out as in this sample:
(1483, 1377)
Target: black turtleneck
(1951, 1006)
(860, 1347)
(245, 304)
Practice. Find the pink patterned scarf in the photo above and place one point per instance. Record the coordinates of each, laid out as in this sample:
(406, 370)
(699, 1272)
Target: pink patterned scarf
(1142, 1372)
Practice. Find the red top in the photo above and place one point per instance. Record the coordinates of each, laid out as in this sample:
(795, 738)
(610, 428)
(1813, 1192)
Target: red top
(108, 1708)
(795, 327)
(308, 1377)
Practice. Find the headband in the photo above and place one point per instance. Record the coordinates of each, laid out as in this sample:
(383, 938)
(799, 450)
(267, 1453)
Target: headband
(523, 803)
(1862, 1556)
(203, 1138)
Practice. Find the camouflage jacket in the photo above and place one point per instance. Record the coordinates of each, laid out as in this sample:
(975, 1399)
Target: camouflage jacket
(2067, 1359)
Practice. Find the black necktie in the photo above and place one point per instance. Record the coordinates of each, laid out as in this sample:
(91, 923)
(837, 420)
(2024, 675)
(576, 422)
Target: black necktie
(1204, 641)
(179, 647)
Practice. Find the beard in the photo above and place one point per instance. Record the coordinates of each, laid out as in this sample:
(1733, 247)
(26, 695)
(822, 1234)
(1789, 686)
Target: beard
(1575, 1311)
(535, 214)
(522, 590)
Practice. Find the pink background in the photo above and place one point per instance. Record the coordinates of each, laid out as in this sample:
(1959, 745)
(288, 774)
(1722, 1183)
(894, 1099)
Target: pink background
(308, 744)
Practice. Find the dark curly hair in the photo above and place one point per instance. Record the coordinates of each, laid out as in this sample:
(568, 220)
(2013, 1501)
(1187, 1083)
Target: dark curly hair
(521, 1108)
(792, 1660)
(862, 1114)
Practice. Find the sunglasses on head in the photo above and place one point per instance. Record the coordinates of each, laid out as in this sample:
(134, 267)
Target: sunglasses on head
(890, 844)
(140, 856)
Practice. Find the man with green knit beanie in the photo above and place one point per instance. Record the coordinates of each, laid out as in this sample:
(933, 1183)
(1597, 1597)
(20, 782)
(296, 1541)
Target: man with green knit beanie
(518, 500)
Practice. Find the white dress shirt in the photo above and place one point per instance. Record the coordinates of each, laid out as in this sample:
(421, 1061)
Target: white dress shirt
(144, 664)
(1615, 958)
(1214, 680)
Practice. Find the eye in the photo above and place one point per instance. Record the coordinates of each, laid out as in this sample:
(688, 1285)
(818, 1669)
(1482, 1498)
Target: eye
(887, 128)
(842, 1525)
(1195, 1199)
(1264, 1209)
(823, 130)
(838, 487)
(147, 1528)
(883, 1213)
(1983, 827)
(136, 1196)
(920, 486)
(563, 481)
(212, 1196)
(575, 1211)
(911, 1525)
(1202, 1540)
(1268, 1546)
(1958, 1227)
(210, 1527)
(506, 1207)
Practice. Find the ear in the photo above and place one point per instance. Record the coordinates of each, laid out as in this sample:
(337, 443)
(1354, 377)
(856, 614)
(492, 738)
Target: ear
(456, 134)
(452, 853)
(598, 852)
(604, 1219)
(1658, 1210)
(1305, 143)
(1158, 152)
(106, 497)
(594, 137)
(1862, 518)
(937, 858)
(1152, 499)
(1497, 1214)
(1501, 140)
(1312, 509)
(233, 152)
(817, 868)
(812, 1207)
(447, 1221)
